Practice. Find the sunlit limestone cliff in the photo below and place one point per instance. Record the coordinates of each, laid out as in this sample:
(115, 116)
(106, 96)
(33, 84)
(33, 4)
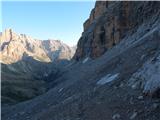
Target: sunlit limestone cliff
(15, 47)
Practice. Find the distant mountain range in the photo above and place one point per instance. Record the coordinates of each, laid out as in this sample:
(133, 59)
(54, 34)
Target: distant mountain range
(15, 47)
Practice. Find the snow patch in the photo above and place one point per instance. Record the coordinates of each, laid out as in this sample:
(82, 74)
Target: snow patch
(133, 116)
(12, 68)
(153, 84)
(60, 89)
(147, 77)
(108, 78)
(85, 60)
(45, 74)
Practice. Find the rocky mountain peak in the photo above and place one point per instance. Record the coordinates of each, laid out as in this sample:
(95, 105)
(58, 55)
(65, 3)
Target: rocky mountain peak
(13, 46)
(7, 35)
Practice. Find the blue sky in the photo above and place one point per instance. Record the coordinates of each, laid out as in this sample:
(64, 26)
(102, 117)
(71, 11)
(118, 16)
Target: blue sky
(61, 20)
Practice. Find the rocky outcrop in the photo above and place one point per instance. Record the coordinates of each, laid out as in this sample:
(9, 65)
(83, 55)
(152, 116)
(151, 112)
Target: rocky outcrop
(111, 22)
(14, 47)
(99, 9)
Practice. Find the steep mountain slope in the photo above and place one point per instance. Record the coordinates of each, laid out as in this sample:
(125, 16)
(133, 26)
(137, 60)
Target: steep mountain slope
(25, 79)
(110, 22)
(121, 84)
(14, 47)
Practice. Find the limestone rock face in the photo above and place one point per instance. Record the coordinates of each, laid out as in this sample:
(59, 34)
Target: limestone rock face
(110, 22)
(99, 9)
(16, 47)
(55, 49)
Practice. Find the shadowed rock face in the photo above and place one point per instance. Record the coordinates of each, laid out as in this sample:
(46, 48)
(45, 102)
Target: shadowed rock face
(13, 47)
(26, 79)
(110, 22)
